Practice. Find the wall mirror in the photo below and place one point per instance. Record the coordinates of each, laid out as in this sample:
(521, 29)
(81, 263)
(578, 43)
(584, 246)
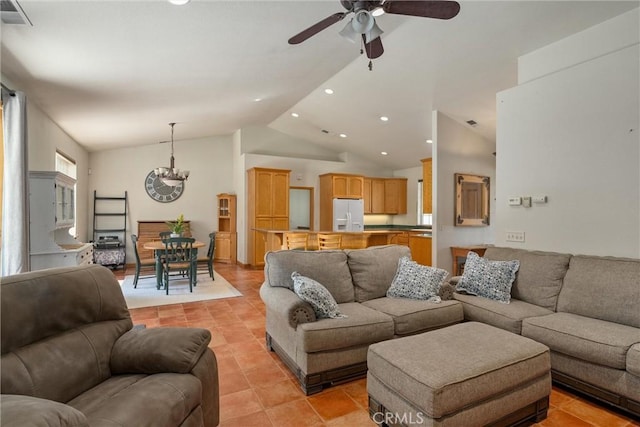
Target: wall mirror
(472, 200)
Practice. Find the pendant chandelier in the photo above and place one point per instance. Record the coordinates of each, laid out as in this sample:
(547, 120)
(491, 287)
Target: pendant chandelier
(171, 176)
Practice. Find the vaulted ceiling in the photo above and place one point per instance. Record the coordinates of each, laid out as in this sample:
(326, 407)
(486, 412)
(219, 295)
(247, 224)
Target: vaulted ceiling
(115, 73)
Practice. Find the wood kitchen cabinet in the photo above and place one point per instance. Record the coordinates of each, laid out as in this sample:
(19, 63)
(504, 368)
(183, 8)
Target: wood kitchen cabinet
(385, 196)
(343, 186)
(427, 192)
(227, 236)
(395, 196)
(267, 208)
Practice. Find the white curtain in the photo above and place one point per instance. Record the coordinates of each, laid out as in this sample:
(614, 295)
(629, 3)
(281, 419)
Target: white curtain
(15, 195)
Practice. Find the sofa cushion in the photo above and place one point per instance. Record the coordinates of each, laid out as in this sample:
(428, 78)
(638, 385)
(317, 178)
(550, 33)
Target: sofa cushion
(362, 325)
(633, 359)
(539, 277)
(603, 288)
(596, 341)
(327, 267)
(504, 316)
(21, 411)
(323, 304)
(416, 281)
(413, 316)
(374, 268)
(140, 400)
(488, 279)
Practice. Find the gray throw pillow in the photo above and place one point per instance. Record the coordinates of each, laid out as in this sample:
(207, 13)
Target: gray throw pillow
(488, 279)
(416, 281)
(323, 304)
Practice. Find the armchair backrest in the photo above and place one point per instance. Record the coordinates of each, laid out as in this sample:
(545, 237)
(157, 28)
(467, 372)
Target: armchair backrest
(58, 327)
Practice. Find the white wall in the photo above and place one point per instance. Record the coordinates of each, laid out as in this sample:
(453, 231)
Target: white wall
(458, 149)
(44, 138)
(573, 135)
(209, 159)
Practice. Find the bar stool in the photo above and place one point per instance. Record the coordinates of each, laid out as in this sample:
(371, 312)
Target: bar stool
(329, 241)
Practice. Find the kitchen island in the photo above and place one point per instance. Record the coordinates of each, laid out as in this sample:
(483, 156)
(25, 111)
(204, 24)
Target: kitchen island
(274, 239)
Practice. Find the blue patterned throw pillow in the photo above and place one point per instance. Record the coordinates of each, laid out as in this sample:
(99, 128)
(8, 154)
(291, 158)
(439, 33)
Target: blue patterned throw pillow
(416, 281)
(488, 279)
(323, 303)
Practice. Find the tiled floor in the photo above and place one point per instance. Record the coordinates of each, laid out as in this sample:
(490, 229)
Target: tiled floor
(256, 389)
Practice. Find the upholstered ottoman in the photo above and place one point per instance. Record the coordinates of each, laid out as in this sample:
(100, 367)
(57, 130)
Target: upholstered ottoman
(469, 374)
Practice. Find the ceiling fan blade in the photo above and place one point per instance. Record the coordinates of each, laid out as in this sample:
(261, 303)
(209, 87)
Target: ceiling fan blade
(316, 28)
(374, 48)
(423, 8)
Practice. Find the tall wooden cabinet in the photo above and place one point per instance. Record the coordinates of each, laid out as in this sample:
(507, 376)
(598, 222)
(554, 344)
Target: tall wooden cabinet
(227, 235)
(267, 208)
(427, 192)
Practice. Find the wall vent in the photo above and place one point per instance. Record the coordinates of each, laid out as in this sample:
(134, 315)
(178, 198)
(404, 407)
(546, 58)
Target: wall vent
(11, 13)
(472, 123)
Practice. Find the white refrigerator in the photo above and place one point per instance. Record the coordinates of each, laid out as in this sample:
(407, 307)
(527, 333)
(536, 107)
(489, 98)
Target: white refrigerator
(348, 215)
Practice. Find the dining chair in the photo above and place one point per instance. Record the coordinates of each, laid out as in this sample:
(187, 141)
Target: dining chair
(296, 241)
(208, 259)
(140, 263)
(179, 256)
(329, 241)
(164, 235)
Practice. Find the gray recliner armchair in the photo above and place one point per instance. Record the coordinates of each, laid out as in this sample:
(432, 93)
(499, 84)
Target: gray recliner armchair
(71, 357)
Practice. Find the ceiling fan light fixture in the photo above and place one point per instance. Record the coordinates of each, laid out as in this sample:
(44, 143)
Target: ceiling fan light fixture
(373, 34)
(362, 22)
(349, 33)
(378, 11)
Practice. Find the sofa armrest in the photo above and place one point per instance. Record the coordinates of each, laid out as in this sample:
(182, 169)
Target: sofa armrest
(158, 350)
(20, 411)
(287, 304)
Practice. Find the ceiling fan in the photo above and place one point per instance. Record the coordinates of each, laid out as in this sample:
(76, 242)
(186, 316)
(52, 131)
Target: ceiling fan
(363, 23)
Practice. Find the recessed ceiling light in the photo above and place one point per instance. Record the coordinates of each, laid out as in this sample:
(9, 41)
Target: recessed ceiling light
(296, 115)
(257, 99)
(179, 2)
(384, 118)
(384, 153)
(328, 91)
(343, 135)
(429, 141)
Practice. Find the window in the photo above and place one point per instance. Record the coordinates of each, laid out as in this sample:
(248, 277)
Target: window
(423, 218)
(67, 166)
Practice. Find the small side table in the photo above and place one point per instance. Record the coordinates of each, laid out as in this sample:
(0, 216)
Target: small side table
(459, 255)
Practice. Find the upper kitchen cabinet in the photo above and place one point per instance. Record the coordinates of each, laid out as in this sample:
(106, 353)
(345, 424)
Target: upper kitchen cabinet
(386, 196)
(427, 192)
(343, 186)
(395, 196)
(267, 208)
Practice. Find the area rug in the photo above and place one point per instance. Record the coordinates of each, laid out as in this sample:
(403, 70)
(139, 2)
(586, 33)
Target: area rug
(146, 294)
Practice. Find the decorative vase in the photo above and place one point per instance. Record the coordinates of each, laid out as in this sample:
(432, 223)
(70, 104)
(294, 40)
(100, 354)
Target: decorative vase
(172, 235)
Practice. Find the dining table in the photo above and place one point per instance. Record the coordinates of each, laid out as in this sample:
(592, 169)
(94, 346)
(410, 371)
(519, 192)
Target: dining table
(157, 246)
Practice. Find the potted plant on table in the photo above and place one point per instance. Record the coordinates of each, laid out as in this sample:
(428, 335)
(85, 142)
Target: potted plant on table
(177, 227)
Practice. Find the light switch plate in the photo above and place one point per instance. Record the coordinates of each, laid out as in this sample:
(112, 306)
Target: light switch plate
(515, 201)
(539, 199)
(515, 236)
(526, 202)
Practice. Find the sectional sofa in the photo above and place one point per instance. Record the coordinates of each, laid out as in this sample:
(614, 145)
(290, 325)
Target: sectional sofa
(586, 309)
(327, 351)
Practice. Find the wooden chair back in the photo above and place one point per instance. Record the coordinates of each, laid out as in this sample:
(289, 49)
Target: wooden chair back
(329, 241)
(296, 241)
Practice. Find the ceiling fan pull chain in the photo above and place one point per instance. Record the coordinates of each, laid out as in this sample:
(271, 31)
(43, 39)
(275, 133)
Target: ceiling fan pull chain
(370, 65)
